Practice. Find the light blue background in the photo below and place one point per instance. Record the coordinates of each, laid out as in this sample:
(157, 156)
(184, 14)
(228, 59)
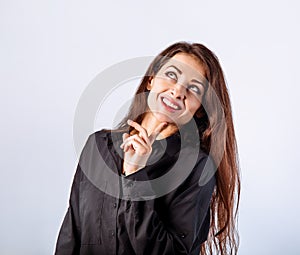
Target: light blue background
(51, 50)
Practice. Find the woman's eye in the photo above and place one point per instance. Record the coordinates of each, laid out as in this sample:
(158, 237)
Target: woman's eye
(195, 89)
(171, 75)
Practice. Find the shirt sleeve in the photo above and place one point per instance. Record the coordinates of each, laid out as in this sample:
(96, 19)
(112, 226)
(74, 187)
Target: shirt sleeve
(180, 230)
(68, 241)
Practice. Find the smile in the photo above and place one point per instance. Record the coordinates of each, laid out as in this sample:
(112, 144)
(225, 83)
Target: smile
(169, 104)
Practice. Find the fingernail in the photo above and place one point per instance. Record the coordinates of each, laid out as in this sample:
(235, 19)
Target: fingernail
(129, 121)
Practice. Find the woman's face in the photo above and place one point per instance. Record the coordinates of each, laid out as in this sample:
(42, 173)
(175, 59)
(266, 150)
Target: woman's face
(177, 89)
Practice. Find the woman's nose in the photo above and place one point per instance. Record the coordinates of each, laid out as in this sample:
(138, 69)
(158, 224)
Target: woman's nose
(178, 91)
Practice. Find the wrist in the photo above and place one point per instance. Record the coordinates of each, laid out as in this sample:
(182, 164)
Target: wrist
(130, 169)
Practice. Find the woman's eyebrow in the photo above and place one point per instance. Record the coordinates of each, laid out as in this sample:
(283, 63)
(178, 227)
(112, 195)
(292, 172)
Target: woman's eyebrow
(178, 70)
(202, 83)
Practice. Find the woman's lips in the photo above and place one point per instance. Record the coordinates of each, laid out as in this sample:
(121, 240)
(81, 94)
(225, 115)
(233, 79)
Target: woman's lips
(170, 105)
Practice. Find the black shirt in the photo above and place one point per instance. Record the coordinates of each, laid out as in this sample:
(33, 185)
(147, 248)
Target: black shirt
(142, 213)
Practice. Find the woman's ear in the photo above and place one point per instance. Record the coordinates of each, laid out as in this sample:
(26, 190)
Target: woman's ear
(149, 84)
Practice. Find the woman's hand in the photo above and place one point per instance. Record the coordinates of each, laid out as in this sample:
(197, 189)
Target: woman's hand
(138, 147)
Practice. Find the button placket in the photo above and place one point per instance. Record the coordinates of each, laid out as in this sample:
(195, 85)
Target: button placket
(112, 233)
(182, 235)
(130, 184)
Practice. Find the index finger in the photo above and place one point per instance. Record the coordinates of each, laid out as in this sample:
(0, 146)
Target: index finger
(142, 132)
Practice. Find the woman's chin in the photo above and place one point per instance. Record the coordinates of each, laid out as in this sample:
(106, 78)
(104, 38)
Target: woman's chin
(161, 117)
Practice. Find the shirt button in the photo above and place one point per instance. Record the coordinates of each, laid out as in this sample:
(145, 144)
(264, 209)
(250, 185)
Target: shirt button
(112, 233)
(130, 184)
(182, 235)
(115, 205)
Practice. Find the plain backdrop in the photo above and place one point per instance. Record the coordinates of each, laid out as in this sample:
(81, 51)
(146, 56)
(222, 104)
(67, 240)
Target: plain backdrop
(51, 50)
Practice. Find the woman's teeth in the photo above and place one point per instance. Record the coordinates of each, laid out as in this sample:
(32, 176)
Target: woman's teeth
(168, 103)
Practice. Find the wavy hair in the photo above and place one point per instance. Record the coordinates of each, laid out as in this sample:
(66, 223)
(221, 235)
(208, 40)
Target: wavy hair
(223, 235)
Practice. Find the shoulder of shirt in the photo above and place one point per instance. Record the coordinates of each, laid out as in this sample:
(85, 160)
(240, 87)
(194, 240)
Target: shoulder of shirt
(97, 136)
(204, 169)
(103, 136)
(103, 133)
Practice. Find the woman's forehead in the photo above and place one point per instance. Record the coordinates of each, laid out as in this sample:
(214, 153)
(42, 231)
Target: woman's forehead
(187, 64)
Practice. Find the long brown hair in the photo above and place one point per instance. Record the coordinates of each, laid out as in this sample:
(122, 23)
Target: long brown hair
(223, 236)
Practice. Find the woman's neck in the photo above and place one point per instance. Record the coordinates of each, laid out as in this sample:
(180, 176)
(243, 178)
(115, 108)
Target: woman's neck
(150, 123)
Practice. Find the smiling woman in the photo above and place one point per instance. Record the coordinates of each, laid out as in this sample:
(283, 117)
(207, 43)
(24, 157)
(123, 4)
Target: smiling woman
(175, 91)
(181, 110)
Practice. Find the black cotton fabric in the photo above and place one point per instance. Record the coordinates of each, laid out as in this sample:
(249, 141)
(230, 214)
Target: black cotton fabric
(110, 213)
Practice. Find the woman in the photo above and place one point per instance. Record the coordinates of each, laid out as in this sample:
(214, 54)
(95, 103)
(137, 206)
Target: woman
(180, 113)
